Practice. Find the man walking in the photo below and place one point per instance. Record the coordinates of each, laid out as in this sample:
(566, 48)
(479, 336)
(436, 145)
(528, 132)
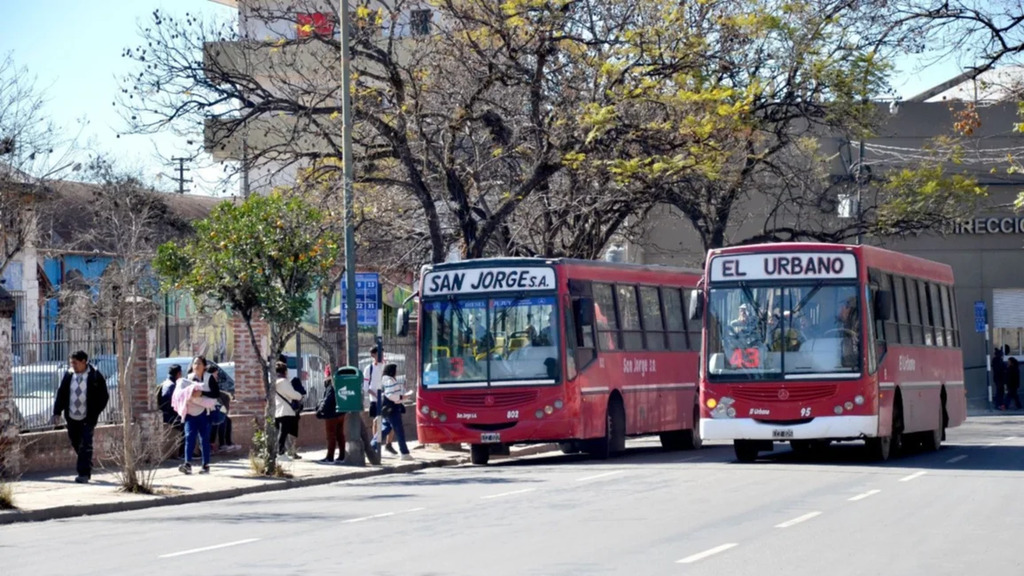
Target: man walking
(81, 397)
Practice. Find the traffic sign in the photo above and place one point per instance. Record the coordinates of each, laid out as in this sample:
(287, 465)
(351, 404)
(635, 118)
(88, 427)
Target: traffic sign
(367, 299)
(980, 316)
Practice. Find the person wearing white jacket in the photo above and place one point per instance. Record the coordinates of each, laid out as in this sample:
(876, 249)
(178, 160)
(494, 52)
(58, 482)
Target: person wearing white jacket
(392, 408)
(285, 417)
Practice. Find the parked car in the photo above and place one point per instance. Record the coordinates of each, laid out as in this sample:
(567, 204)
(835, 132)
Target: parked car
(227, 382)
(35, 387)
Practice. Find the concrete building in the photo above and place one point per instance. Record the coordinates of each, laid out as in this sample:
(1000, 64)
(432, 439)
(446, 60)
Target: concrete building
(985, 249)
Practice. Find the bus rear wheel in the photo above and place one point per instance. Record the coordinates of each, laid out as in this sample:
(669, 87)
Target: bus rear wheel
(479, 454)
(746, 450)
(569, 447)
(932, 441)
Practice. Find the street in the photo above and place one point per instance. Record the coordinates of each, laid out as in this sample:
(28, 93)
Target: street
(648, 512)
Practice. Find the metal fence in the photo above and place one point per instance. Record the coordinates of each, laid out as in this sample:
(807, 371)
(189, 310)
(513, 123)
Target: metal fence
(35, 383)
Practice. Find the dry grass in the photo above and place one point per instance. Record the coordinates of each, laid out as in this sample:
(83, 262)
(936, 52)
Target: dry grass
(7, 495)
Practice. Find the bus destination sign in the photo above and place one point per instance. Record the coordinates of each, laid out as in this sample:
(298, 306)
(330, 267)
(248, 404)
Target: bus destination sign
(794, 266)
(471, 280)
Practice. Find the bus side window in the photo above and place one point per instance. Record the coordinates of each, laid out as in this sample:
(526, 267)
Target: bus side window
(581, 334)
(571, 338)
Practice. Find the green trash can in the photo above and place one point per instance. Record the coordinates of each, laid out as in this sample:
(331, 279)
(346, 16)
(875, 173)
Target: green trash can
(348, 389)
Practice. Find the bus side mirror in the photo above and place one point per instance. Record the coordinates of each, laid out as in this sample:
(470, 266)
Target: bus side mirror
(883, 305)
(401, 322)
(696, 307)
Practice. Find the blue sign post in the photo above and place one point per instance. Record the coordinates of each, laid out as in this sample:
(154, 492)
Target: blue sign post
(979, 316)
(981, 325)
(368, 297)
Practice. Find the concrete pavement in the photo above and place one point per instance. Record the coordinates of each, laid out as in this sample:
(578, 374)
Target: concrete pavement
(46, 496)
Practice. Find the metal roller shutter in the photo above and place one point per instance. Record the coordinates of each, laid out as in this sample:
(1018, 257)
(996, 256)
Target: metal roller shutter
(1008, 308)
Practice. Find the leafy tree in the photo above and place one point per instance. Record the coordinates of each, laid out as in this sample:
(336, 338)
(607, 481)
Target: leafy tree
(262, 258)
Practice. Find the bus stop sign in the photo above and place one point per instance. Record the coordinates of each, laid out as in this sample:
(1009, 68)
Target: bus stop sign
(979, 316)
(348, 386)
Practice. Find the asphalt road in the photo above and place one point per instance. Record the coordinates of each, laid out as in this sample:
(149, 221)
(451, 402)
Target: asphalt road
(957, 511)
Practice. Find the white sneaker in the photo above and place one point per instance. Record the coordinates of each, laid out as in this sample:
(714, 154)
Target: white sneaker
(283, 457)
(405, 457)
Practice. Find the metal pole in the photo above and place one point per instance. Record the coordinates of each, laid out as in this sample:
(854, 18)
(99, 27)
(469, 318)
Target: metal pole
(167, 325)
(351, 320)
(860, 184)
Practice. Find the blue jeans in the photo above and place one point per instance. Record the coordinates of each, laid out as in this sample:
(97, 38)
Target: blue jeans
(197, 425)
(394, 422)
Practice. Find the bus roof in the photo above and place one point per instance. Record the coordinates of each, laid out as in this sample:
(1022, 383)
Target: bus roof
(871, 256)
(506, 261)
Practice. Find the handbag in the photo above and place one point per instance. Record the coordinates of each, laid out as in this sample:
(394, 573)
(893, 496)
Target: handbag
(217, 415)
(296, 405)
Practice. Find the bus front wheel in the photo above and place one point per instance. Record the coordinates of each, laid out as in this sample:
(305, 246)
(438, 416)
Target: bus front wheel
(746, 450)
(614, 439)
(479, 454)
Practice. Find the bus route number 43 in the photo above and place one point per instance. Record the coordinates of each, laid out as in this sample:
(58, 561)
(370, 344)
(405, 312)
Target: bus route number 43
(745, 358)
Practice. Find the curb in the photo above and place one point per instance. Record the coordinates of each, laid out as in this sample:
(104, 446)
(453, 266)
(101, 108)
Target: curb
(70, 511)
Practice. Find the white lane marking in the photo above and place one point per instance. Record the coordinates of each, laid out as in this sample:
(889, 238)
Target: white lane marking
(204, 549)
(596, 476)
(508, 493)
(798, 520)
(384, 515)
(956, 459)
(867, 494)
(912, 476)
(706, 553)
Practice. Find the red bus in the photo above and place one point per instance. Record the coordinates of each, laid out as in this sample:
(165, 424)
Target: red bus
(812, 343)
(584, 353)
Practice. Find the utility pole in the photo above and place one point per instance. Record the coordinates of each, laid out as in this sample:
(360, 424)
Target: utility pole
(351, 320)
(181, 175)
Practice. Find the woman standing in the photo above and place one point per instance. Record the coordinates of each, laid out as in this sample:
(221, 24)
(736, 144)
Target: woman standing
(392, 408)
(334, 423)
(285, 415)
(198, 395)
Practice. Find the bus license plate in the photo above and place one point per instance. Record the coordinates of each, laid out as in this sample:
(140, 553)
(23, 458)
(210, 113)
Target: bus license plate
(782, 433)
(490, 437)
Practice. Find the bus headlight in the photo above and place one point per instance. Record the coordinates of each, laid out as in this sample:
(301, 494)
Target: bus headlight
(548, 410)
(711, 403)
(558, 404)
(539, 414)
(838, 410)
(443, 418)
(425, 410)
(731, 412)
(433, 413)
(848, 405)
(858, 400)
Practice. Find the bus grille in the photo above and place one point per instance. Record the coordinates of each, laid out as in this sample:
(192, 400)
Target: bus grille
(793, 393)
(497, 399)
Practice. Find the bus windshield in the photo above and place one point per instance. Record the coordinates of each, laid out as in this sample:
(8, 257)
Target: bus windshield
(801, 331)
(490, 341)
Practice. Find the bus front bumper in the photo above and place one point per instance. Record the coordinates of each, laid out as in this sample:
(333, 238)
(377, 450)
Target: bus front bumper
(824, 427)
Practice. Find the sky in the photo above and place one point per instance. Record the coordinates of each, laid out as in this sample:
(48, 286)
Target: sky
(73, 48)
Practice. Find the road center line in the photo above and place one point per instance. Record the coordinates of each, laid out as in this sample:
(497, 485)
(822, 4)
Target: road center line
(384, 515)
(706, 553)
(508, 493)
(867, 494)
(204, 549)
(798, 520)
(956, 459)
(912, 476)
(596, 476)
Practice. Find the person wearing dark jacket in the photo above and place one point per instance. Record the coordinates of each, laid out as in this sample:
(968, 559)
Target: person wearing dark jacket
(1012, 383)
(999, 378)
(81, 397)
(171, 417)
(334, 423)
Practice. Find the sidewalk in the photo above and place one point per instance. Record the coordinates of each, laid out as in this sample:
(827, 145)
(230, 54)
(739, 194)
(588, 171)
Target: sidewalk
(51, 495)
